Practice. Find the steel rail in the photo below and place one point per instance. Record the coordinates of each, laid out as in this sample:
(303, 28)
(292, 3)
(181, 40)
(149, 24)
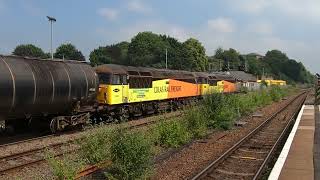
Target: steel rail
(216, 162)
(274, 147)
(42, 149)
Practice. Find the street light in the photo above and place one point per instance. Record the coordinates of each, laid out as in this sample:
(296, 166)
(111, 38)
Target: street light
(52, 20)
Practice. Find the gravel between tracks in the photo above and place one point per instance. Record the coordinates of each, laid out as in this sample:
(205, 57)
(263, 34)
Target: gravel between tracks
(192, 159)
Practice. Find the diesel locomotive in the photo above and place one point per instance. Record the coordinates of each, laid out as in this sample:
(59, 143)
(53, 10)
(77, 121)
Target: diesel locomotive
(64, 93)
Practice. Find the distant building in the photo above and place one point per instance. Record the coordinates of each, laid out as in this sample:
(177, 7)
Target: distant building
(246, 80)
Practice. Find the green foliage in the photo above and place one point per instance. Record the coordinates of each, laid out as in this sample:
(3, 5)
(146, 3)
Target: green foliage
(94, 148)
(277, 64)
(69, 52)
(131, 155)
(65, 168)
(276, 93)
(171, 134)
(231, 58)
(145, 49)
(29, 50)
(115, 54)
(196, 121)
(213, 105)
(196, 55)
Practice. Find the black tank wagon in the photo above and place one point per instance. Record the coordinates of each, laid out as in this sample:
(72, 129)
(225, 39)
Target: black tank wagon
(59, 92)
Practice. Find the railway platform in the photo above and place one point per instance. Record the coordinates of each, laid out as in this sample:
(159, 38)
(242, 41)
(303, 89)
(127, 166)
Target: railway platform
(299, 158)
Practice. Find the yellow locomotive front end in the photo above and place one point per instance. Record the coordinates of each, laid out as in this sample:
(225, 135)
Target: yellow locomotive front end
(113, 86)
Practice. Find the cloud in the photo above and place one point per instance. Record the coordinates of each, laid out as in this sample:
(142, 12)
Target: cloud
(222, 25)
(138, 6)
(302, 9)
(251, 6)
(261, 28)
(307, 8)
(155, 26)
(108, 13)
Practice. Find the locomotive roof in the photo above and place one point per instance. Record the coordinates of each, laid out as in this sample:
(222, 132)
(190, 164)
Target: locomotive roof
(144, 71)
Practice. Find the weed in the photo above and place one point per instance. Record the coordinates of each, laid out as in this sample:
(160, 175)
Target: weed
(172, 134)
(94, 148)
(64, 168)
(130, 154)
(196, 121)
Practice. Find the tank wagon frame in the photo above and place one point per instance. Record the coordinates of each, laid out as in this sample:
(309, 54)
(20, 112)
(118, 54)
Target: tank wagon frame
(54, 92)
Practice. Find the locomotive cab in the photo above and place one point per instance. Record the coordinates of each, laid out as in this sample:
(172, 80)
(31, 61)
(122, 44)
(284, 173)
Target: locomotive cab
(113, 88)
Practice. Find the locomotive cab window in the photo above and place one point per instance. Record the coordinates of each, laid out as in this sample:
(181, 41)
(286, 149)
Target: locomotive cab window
(104, 78)
(140, 82)
(124, 79)
(119, 79)
(213, 82)
(116, 79)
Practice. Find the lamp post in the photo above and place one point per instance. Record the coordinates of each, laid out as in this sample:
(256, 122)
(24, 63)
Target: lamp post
(52, 20)
(166, 58)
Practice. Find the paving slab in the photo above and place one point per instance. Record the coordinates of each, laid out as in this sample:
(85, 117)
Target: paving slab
(299, 161)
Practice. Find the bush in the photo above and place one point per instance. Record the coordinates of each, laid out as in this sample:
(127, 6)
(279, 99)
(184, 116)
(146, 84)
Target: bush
(225, 117)
(171, 134)
(95, 147)
(130, 154)
(275, 93)
(65, 168)
(196, 121)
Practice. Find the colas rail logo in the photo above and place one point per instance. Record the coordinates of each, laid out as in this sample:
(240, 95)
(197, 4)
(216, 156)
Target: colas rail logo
(162, 89)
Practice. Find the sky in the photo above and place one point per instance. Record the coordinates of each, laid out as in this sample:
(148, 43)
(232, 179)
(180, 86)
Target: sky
(291, 26)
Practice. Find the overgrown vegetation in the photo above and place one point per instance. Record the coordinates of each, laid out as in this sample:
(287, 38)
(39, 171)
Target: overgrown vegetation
(130, 153)
(65, 168)
(171, 134)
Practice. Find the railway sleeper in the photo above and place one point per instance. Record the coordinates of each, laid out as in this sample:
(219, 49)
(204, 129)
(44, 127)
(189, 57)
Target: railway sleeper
(234, 173)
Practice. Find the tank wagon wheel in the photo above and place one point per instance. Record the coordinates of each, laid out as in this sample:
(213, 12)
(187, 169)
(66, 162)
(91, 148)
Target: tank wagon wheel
(54, 125)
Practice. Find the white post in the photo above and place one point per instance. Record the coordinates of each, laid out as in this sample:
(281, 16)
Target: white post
(166, 58)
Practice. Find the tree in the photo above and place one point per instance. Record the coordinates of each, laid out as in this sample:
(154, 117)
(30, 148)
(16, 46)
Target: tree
(175, 49)
(146, 49)
(29, 50)
(195, 55)
(68, 51)
(231, 59)
(115, 54)
(219, 53)
(99, 56)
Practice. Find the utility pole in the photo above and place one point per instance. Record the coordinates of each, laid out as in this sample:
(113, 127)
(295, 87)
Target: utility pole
(52, 20)
(166, 58)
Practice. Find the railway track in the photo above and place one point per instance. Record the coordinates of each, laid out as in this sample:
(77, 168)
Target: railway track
(26, 158)
(248, 158)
